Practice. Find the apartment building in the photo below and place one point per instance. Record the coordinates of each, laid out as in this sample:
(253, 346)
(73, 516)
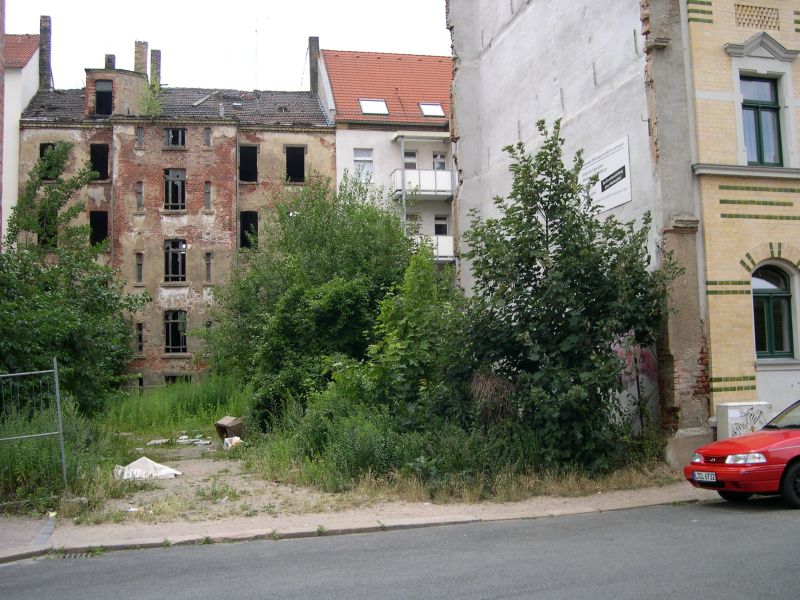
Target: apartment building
(186, 175)
(392, 114)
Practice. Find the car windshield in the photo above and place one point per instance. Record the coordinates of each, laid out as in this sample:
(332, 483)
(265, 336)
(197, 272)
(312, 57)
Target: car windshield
(788, 419)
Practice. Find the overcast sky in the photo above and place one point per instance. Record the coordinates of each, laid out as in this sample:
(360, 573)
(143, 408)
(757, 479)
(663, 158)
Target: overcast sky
(234, 44)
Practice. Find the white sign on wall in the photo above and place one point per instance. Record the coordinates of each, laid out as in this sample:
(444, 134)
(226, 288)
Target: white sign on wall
(612, 165)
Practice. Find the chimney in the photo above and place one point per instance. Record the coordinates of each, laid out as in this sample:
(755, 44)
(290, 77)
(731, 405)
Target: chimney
(45, 72)
(140, 58)
(313, 59)
(155, 67)
(110, 61)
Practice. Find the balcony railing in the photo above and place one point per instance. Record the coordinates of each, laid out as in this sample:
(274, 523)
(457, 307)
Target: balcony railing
(424, 183)
(442, 246)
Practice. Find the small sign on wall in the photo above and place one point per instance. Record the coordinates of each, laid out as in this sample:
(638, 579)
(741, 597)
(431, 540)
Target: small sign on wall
(612, 165)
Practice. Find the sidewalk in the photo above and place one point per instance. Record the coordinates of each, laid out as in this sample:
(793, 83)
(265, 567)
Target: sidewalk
(25, 538)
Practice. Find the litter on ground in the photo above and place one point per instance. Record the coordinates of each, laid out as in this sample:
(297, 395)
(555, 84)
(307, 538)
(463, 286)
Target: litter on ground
(144, 468)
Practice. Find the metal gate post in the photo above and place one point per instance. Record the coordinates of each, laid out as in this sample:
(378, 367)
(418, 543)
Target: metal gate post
(60, 428)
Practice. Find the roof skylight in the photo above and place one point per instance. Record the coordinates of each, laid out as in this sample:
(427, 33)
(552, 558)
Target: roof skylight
(431, 109)
(373, 107)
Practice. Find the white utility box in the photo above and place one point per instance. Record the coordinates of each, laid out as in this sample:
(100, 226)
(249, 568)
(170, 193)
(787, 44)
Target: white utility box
(739, 418)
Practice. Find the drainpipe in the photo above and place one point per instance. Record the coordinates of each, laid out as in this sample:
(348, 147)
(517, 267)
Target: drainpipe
(236, 220)
(403, 178)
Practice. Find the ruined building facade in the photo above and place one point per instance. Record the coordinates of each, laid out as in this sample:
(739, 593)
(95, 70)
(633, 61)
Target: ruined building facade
(185, 177)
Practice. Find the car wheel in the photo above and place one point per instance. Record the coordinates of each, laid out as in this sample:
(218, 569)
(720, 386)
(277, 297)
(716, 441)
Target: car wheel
(734, 496)
(790, 485)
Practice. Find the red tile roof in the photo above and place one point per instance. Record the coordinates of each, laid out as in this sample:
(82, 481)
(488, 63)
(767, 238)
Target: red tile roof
(402, 80)
(20, 48)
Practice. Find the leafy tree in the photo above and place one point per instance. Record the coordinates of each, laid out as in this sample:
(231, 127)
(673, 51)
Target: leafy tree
(555, 288)
(56, 299)
(310, 290)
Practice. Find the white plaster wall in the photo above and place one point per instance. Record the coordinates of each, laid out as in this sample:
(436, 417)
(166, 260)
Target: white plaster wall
(386, 158)
(519, 61)
(778, 384)
(20, 87)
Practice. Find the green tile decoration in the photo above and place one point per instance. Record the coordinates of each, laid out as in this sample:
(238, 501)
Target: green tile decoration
(734, 378)
(737, 388)
(696, 20)
(727, 292)
(756, 202)
(762, 217)
(748, 188)
(729, 282)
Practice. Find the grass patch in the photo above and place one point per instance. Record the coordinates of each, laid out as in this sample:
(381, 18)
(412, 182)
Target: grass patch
(217, 491)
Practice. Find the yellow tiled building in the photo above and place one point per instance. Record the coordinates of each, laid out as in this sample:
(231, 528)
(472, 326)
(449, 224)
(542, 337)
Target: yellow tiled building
(746, 80)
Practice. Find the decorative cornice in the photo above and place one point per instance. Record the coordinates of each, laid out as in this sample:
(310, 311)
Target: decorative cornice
(746, 171)
(765, 41)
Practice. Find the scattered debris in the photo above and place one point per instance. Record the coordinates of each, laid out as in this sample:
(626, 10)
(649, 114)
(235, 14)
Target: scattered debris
(199, 440)
(230, 442)
(132, 509)
(159, 442)
(230, 427)
(144, 468)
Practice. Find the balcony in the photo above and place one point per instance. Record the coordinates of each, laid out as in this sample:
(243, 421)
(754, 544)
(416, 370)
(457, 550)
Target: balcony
(424, 184)
(442, 246)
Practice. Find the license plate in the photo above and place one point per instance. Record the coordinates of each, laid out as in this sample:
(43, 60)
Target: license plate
(704, 476)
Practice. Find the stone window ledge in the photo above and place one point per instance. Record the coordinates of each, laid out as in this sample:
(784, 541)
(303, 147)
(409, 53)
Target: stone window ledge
(177, 355)
(175, 284)
(777, 364)
(746, 171)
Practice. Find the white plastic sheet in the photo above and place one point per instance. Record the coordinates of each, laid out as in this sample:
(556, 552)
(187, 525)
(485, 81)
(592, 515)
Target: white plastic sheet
(144, 468)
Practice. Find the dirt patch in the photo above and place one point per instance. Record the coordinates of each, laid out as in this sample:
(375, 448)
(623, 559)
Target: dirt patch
(210, 488)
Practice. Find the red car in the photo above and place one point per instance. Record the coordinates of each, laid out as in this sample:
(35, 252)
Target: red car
(764, 462)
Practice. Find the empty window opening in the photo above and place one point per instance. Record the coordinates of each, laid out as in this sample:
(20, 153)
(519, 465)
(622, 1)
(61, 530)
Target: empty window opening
(140, 338)
(440, 224)
(140, 136)
(296, 164)
(208, 267)
(140, 382)
(139, 267)
(49, 173)
(362, 163)
(175, 189)
(439, 161)
(175, 260)
(48, 227)
(207, 136)
(431, 109)
(175, 137)
(173, 379)
(207, 196)
(98, 155)
(410, 159)
(98, 226)
(373, 107)
(139, 196)
(102, 97)
(248, 229)
(175, 331)
(248, 163)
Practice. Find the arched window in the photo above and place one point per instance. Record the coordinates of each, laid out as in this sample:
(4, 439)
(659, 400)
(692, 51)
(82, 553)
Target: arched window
(772, 312)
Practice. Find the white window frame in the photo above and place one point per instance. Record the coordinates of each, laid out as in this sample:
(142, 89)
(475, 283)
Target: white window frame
(441, 220)
(410, 157)
(373, 106)
(439, 158)
(362, 163)
(431, 109)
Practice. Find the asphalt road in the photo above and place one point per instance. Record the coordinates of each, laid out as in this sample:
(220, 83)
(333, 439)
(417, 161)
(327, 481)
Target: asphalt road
(711, 550)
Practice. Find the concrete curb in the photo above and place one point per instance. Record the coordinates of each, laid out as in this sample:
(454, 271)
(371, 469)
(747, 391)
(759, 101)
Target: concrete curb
(395, 524)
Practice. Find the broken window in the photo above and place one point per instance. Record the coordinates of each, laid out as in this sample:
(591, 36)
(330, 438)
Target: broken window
(48, 227)
(440, 224)
(102, 97)
(248, 229)
(175, 189)
(98, 226)
(173, 379)
(207, 196)
(139, 267)
(49, 173)
(139, 196)
(296, 164)
(175, 331)
(175, 137)
(140, 338)
(207, 136)
(208, 267)
(98, 156)
(248, 163)
(140, 136)
(175, 260)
